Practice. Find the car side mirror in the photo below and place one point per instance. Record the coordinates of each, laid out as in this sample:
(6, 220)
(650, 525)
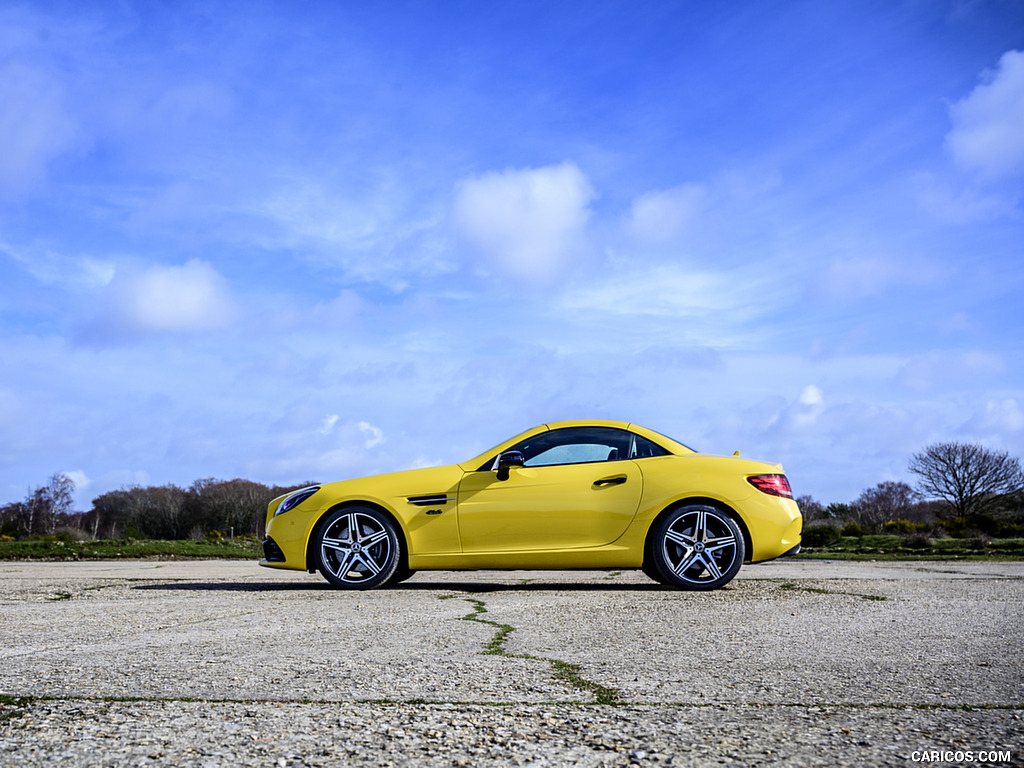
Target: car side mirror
(508, 460)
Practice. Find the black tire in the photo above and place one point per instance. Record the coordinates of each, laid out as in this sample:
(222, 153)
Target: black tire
(357, 548)
(402, 573)
(651, 570)
(697, 547)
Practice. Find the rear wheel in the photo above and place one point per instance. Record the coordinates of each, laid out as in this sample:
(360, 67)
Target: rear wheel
(697, 547)
(650, 567)
(651, 570)
(357, 548)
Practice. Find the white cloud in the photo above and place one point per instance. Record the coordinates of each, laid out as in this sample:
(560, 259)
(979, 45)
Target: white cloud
(659, 291)
(188, 299)
(72, 272)
(861, 277)
(962, 205)
(988, 125)
(802, 414)
(35, 127)
(659, 217)
(295, 457)
(957, 322)
(80, 479)
(328, 426)
(528, 224)
(999, 416)
(812, 397)
(944, 370)
(379, 231)
(671, 304)
(375, 435)
(306, 211)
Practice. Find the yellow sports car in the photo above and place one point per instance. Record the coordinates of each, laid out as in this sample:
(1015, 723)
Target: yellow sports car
(574, 494)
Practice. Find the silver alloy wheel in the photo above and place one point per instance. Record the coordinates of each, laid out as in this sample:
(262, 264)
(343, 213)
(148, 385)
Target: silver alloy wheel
(356, 548)
(701, 548)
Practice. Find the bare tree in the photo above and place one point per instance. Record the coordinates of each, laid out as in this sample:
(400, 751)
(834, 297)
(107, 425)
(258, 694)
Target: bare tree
(231, 506)
(13, 518)
(109, 513)
(811, 509)
(969, 477)
(156, 511)
(62, 494)
(887, 501)
(47, 505)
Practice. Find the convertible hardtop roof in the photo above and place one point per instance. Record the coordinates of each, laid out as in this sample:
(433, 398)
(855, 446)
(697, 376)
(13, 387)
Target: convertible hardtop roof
(668, 443)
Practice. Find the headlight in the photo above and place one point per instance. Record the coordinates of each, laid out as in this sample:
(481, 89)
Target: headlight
(294, 499)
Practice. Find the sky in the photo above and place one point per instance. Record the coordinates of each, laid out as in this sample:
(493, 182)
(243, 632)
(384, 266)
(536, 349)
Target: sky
(296, 242)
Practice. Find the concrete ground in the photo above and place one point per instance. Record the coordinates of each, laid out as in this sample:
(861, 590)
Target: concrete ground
(224, 663)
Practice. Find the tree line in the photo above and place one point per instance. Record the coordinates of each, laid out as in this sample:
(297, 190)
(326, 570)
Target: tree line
(960, 486)
(207, 507)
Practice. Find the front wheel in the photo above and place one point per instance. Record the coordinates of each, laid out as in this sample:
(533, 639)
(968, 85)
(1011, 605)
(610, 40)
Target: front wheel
(402, 573)
(357, 548)
(697, 547)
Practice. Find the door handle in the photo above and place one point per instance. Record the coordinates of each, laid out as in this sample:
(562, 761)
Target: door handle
(617, 480)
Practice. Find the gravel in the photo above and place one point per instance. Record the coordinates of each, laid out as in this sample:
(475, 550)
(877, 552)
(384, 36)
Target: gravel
(226, 664)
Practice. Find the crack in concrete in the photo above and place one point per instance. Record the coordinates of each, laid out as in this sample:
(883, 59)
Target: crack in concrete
(564, 672)
(790, 586)
(25, 702)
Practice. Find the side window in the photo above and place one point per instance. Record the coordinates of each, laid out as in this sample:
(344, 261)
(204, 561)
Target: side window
(575, 445)
(644, 448)
(575, 453)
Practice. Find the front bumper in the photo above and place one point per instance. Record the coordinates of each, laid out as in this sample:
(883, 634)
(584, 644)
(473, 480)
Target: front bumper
(272, 553)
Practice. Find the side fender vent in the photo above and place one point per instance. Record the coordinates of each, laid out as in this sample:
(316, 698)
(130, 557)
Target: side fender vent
(431, 500)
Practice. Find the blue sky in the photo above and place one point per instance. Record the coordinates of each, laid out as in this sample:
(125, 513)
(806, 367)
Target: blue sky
(294, 242)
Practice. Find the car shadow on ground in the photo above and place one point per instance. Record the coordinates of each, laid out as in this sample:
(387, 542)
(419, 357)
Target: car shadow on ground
(423, 586)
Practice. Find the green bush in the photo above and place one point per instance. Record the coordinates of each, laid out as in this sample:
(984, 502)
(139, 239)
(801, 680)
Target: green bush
(985, 524)
(917, 541)
(54, 538)
(214, 536)
(1007, 529)
(853, 528)
(904, 527)
(963, 528)
(819, 535)
(979, 541)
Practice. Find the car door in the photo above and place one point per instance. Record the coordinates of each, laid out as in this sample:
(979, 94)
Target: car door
(577, 488)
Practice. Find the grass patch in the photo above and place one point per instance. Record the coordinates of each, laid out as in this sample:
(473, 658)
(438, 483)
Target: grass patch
(12, 707)
(118, 549)
(496, 645)
(570, 675)
(893, 547)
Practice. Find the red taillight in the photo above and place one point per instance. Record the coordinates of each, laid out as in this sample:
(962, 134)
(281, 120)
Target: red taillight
(773, 485)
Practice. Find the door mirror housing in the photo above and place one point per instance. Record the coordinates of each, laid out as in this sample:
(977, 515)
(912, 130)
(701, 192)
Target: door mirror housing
(508, 460)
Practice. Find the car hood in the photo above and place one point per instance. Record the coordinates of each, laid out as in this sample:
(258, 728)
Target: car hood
(399, 485)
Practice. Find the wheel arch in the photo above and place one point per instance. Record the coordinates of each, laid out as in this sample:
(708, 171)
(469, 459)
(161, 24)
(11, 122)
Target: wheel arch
(717, 504)
(311, 559)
